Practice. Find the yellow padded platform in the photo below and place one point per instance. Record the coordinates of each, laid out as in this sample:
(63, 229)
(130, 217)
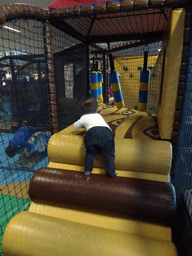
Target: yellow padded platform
(125, 123)
(53, 236)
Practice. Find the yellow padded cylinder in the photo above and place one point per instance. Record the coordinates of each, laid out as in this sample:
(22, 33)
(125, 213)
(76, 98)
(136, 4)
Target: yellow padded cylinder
(135, 227)
(36, 234)
(131, 155)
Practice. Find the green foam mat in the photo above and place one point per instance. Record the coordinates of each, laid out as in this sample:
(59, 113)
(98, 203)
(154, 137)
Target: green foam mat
(9, 207)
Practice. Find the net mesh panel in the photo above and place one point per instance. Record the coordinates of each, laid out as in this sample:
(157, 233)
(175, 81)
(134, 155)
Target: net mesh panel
(125, 23)
(70, 76)
(23, 97)
(182, 164)
(129, 63)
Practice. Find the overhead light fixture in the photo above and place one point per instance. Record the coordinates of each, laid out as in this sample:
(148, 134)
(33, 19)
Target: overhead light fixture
(13, 29)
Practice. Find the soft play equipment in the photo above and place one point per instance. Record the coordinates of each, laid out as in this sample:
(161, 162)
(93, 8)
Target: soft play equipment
(143, 86)
(100, 88)
(142, 157)
(114, 200)
(131, 155)
(119, 197)
(116, 87)
(131, 214)
(94, 85)
(43, 235)
(173, 57)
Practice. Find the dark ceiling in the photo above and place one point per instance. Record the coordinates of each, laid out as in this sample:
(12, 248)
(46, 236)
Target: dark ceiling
(117, 21)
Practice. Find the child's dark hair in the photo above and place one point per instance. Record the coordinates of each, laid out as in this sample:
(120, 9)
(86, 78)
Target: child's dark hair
(11, 150)
(90, 105)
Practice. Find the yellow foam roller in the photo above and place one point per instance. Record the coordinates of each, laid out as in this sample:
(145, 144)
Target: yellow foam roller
(132, 155)
(34, 234)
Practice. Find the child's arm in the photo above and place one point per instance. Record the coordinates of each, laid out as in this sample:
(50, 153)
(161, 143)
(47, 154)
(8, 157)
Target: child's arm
(78, 124)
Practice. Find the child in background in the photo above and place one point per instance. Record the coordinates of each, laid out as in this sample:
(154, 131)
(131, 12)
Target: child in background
(28, 138)
(98, 138)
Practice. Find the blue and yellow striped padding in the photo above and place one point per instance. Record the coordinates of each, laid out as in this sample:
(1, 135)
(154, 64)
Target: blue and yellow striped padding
(100, 88)
(143, 89)
(94, 85)
(117, 93)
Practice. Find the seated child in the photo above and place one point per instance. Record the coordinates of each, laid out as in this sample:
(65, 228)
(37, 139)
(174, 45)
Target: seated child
(98, 138)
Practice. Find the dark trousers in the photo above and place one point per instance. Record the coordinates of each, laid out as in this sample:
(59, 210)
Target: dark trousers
(100, 140)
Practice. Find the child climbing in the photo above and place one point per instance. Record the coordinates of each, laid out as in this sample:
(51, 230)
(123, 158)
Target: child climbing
(98, 138)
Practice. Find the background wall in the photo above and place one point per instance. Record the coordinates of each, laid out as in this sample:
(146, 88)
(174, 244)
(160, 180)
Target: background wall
(129, 71)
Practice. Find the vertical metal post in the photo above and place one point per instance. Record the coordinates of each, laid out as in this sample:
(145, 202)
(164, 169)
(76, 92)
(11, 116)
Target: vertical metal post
(105, 80)
(51, 77)
(88, 69)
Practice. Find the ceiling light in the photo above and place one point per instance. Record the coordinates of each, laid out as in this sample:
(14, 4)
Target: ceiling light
(13, 29)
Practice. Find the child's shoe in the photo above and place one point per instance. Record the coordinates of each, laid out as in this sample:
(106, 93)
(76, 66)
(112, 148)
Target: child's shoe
(87, 173)
(112, 175)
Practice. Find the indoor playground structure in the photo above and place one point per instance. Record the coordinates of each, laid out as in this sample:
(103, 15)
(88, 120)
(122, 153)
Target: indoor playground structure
(134, 58)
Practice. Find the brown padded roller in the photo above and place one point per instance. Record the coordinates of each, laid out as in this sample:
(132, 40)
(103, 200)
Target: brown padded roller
(120, 197)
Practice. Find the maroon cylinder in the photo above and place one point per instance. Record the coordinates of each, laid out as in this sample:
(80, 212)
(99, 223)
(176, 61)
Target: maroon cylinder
(145, 200)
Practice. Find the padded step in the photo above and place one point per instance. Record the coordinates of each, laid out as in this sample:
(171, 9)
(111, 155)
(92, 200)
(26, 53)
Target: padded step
(130, 155)
(34, 234)
(143, 200)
